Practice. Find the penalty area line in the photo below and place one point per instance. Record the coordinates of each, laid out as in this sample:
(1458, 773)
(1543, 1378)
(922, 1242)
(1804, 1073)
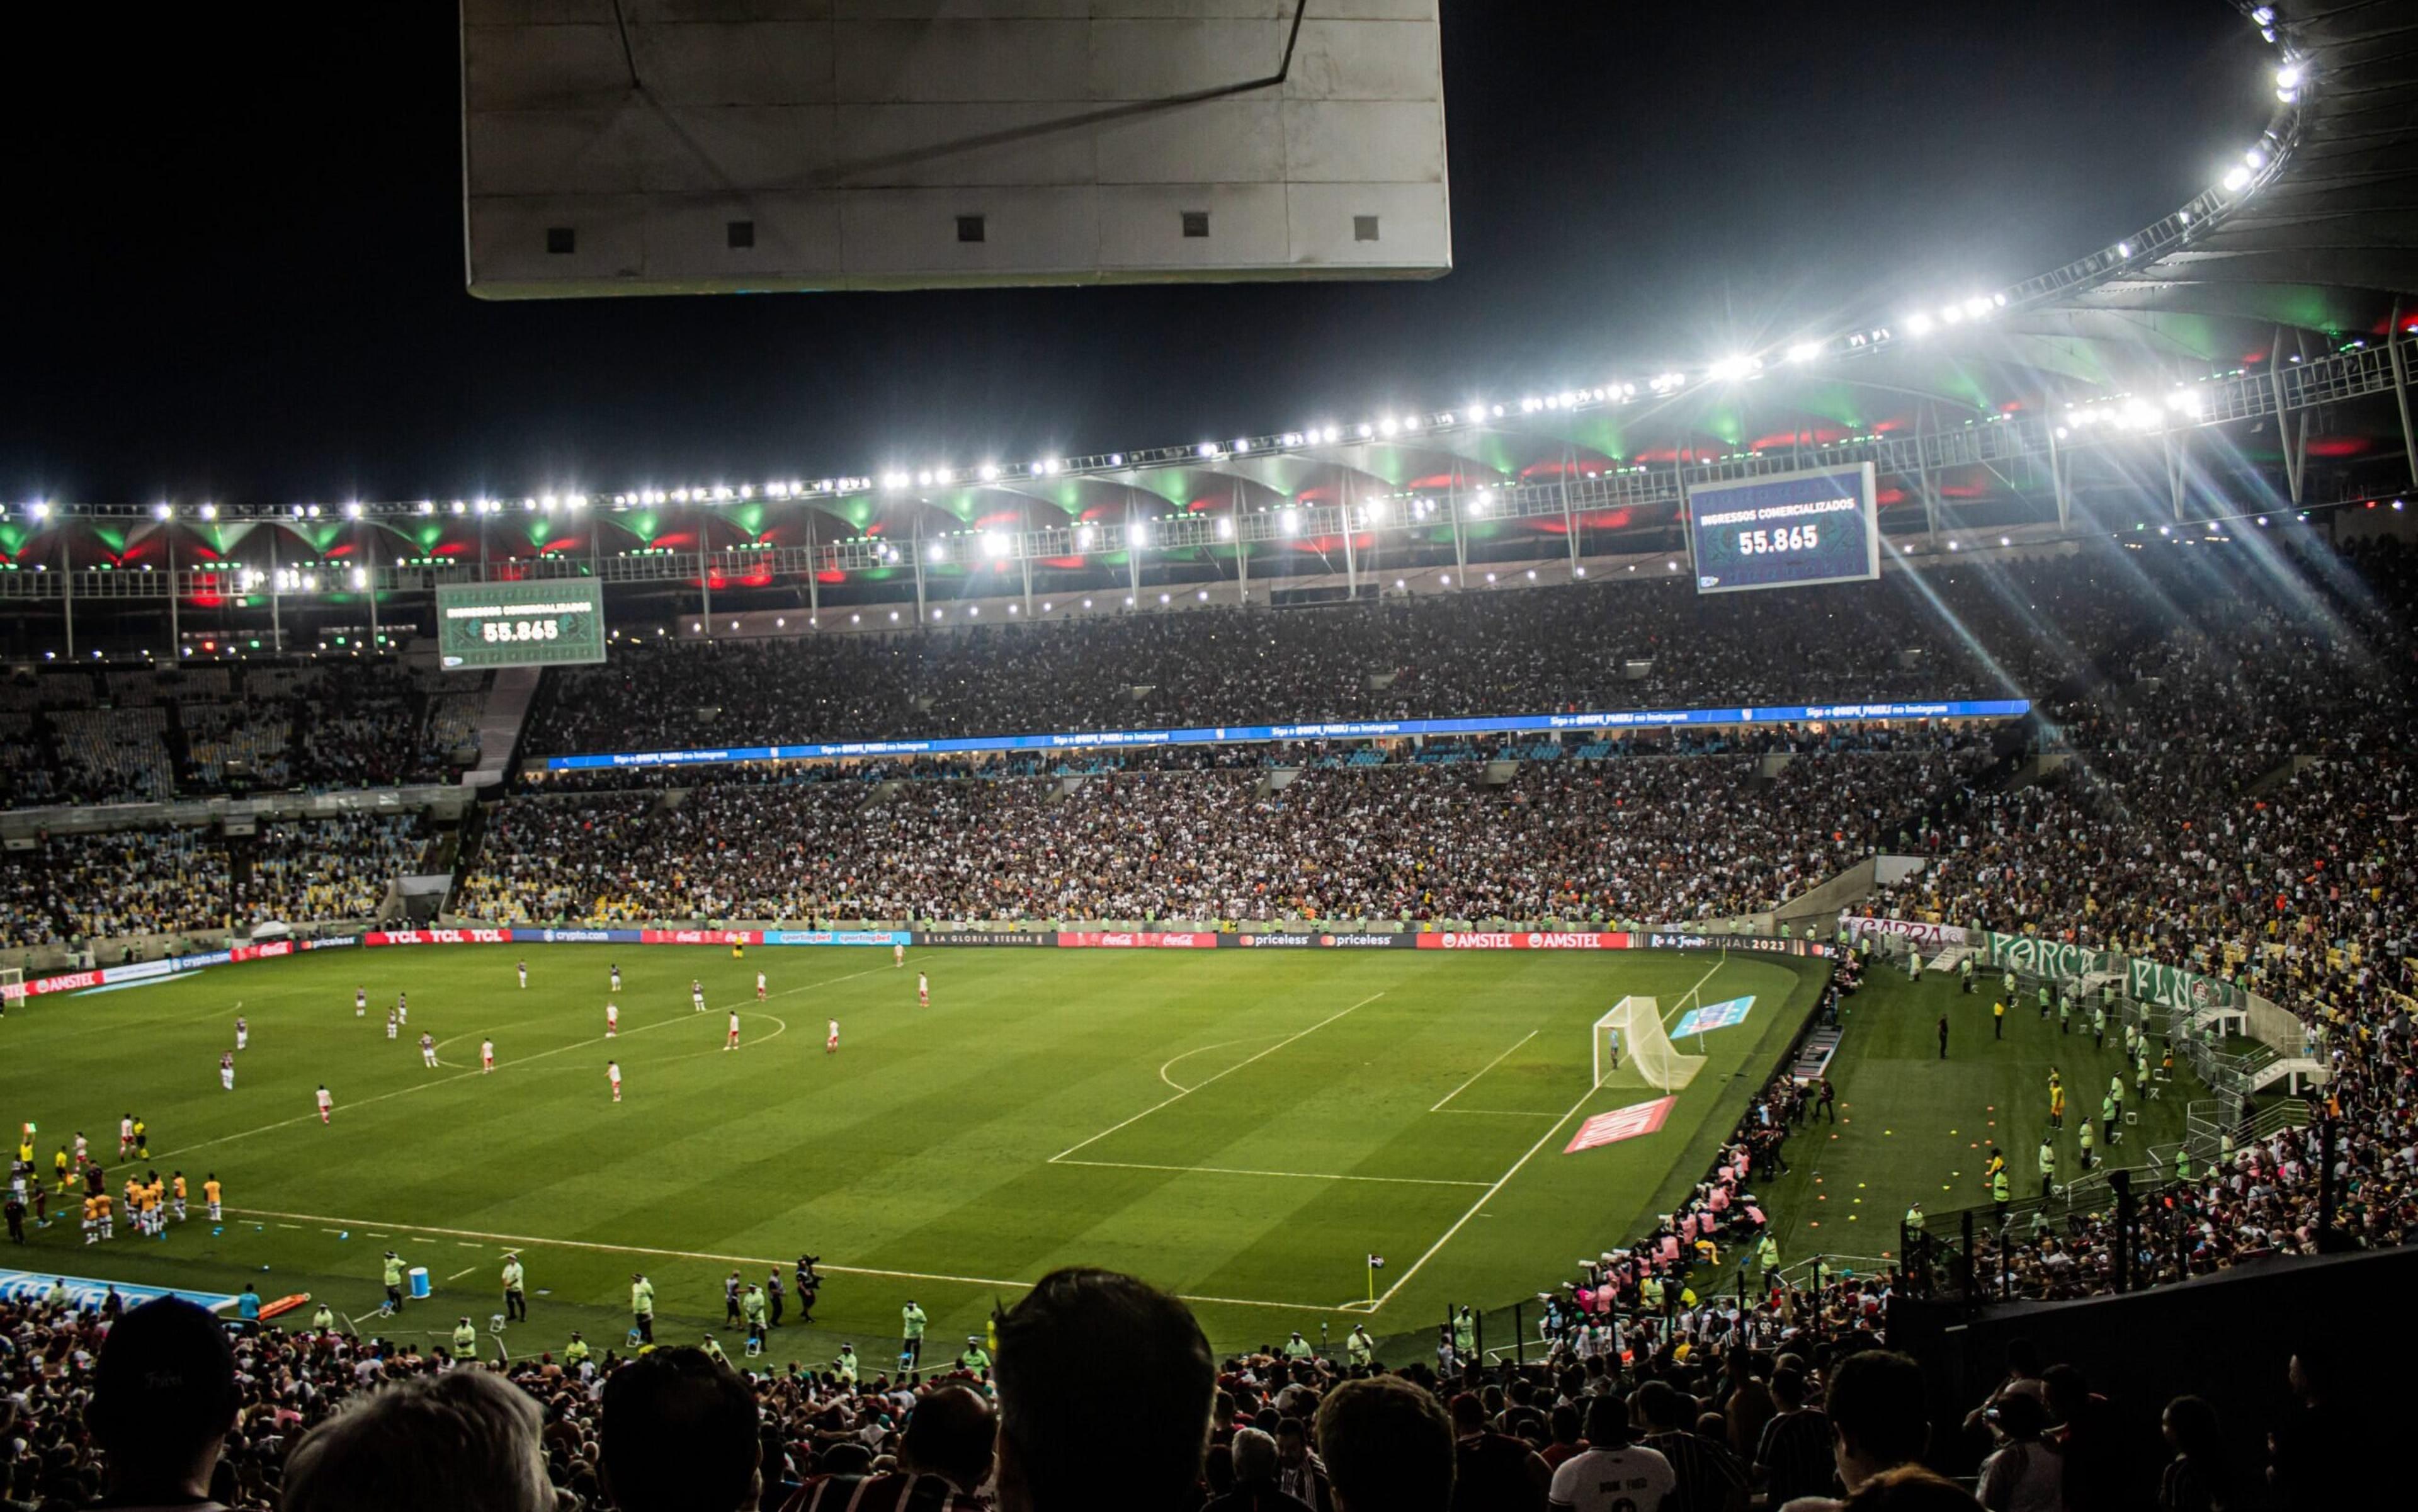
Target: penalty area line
(1481, 1070)
(1505, 1179)
(1294, 1175)
(1238, 1065)
(533, 1242)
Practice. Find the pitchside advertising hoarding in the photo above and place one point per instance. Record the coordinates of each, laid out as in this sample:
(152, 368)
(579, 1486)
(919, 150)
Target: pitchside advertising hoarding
(1785, 530)
(943, 938)
(1080, 740)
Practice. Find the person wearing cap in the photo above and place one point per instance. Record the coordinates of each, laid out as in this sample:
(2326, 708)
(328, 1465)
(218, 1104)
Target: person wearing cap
(515, 1298)
(845, 1366)
(714, 1352)
(975, 1357)
(911, 1335)
(393, 1281)
(1296, 1347)
(465, 1339)
(642, 1307)
(1359, 1346)
(576, 1354)
(163, 1401)
(323, 1319)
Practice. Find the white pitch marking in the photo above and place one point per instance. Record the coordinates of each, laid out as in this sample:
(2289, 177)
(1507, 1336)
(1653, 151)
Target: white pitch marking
(1491, 1112)
(1505, 1178)
(1298, 1175)
(526, 1241)
(405, 1091)
(1228, 1072)
(464, 1271)
(1188, 1055)
(1481, 1070)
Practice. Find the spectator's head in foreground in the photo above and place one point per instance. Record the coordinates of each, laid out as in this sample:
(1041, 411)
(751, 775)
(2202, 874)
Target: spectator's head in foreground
(679, 1435)
(1876, 1416)
(1607, 1422)
(1387, 1447)
(1910, 1489)
(1104, 1388)
(163, 1400)
(466, 1439)
(951, 1434)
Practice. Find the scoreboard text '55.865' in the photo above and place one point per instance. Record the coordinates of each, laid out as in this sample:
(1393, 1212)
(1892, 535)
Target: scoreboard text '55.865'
(520, 624)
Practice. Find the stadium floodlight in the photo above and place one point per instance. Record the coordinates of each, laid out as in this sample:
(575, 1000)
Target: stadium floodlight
(893, 480)
(2263, 16)
(1917, 324)
(935, 552)
(1225, 527)
(1084, 539)
(1731, 369)
(995, 545)
(1804, 351)
(1087, 604)
(2289, 77)
(1129, 604)
(988, 471)
(1388, 426)
(1951, 314)
(974, 611)
(1137, 535)
(209, 511)
(40, 508)
(1162, 598)
(1289, 519)
(1976, 307)
(360, 578)
(353, 510)
(160, 511)
(1045, 606)
(1203, 594)
(1206, 449)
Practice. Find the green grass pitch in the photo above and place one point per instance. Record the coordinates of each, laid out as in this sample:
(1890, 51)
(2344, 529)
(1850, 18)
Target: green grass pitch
(1243, 1128)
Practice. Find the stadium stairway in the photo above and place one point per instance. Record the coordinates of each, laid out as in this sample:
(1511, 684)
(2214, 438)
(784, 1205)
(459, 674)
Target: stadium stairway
(1814, 1056)
(501, 724)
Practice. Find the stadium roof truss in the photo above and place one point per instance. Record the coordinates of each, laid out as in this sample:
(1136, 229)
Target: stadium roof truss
(2279, 308)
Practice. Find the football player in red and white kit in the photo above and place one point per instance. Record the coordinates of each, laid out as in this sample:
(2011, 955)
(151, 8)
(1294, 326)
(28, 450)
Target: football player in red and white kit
(732, 1042)
(898, 953)
(613, 1070)
(831, 1041)
(486, 1056)
(923, 989)
(612, 1020)
(760, 987)
(327, 1104)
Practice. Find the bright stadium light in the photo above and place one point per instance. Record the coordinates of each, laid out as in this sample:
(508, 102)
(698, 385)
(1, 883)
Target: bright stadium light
(1206, 449)
(1804, 351)
(353, 510)
(2254, 158)
(1976, 307)
(1137, 535)
(1731, 369)
(40, 508)
(988, 471)
(1289, 520)
(1084, 539)
(1917, 324)
(995, 545)
(161, 511)
(2289, 77)
(209, 511)
(935, 552)
(2236, 180)
(1225, 527)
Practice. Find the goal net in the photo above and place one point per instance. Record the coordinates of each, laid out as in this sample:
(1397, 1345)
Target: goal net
(12, 985)
(1631, 1045)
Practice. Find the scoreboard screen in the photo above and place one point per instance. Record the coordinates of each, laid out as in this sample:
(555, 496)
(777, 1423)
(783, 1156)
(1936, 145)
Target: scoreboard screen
(520, 624)
(1784, 530)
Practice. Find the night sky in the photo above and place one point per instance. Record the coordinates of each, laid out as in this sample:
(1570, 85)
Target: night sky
(237, 267)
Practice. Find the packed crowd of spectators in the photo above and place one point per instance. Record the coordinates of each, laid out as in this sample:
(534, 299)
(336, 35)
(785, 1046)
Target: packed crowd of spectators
(1612, 646)
(1656, 838)
(88, 888)
(163, 1405)
(329, 868)
(119, 735)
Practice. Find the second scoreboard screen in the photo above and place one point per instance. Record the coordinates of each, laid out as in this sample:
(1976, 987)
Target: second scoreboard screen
(1785, 530)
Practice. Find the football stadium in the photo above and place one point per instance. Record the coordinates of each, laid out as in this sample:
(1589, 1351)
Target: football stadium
(1825, 922)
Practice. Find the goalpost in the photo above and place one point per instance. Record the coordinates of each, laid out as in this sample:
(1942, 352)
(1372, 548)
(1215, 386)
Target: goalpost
(12, 985)
(1631, 1037)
